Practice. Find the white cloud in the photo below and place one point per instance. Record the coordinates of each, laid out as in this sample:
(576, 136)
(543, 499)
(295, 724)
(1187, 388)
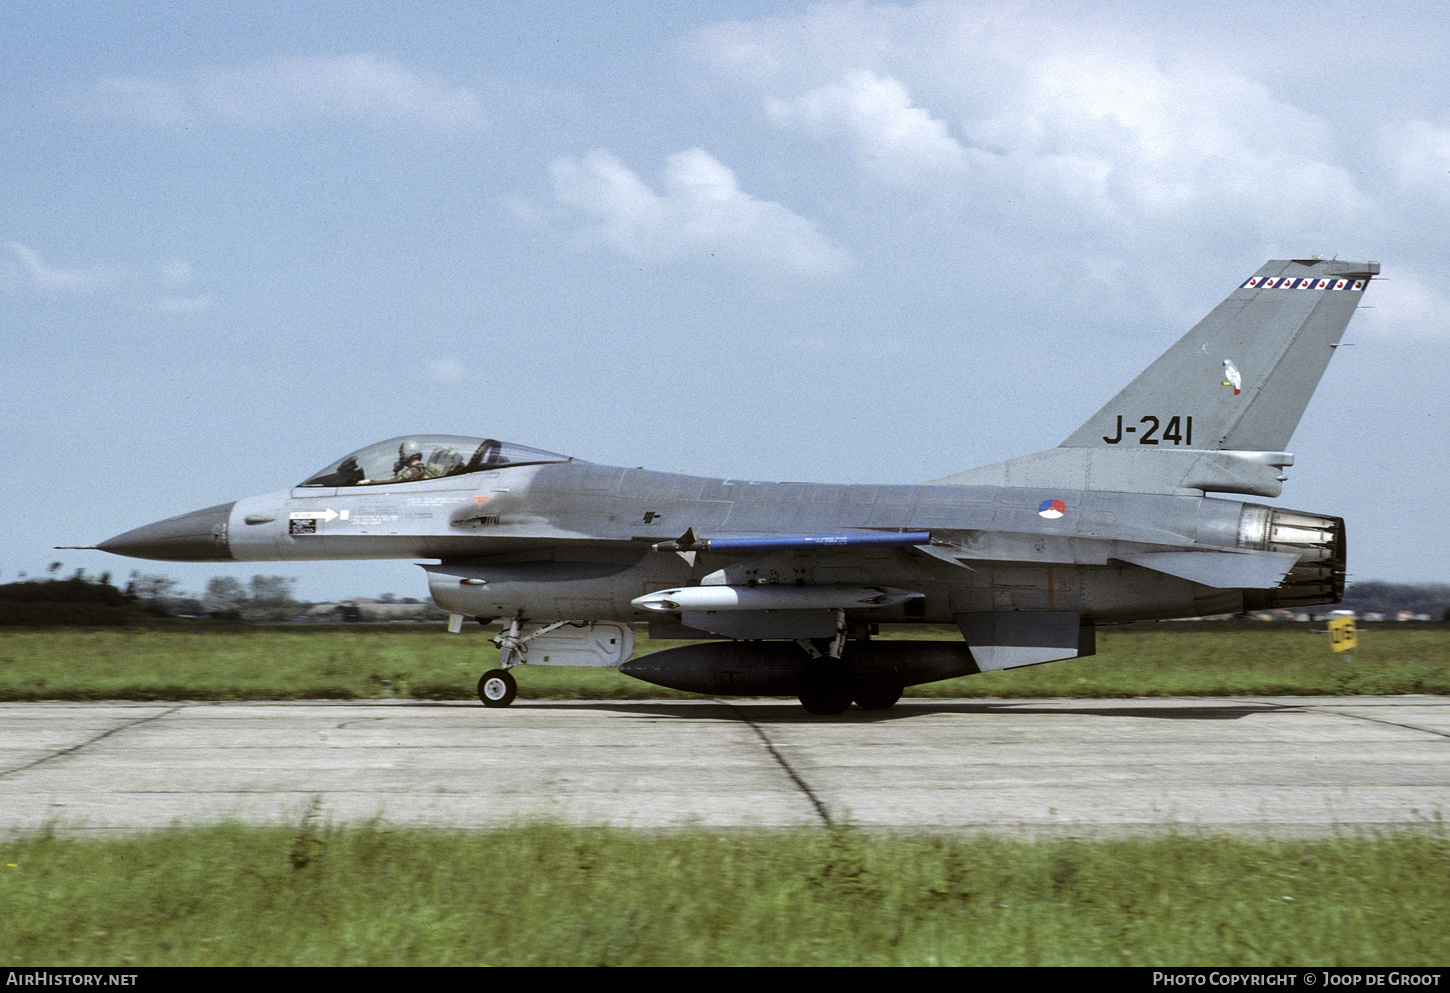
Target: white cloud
(889, 135)
(701, 212)
(797, 50)
(93, 279)
(1170, 142)
(360, 87)
(448, 370)
(1027, 114)
(1405, 305)
(1419, 156)
(120, 282)
(176, 272)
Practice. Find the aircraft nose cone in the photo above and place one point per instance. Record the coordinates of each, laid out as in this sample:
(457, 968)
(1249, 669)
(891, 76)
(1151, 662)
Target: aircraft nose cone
(200, 536)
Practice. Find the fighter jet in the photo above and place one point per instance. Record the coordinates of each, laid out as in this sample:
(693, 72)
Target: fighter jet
(783, 587)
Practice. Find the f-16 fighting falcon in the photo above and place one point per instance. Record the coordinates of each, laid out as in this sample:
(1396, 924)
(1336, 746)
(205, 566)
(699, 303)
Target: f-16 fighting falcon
(1138, 514)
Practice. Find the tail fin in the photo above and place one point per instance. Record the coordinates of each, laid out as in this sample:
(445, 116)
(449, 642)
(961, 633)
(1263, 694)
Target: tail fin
(1216, 410)
(1245, 373)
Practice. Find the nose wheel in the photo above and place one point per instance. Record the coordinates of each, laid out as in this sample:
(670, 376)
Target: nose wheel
(497, 688)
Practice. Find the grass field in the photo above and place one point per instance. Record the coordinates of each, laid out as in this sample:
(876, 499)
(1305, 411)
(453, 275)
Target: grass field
(562, 896)
(549, 895)
(204, 662)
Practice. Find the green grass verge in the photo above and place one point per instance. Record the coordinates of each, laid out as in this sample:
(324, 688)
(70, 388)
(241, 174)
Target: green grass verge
(561, 896)
(199, 662)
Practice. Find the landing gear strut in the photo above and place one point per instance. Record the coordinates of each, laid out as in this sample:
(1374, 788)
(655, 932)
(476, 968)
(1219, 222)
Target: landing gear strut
(586, 643)
(826, 685)
(498, 688)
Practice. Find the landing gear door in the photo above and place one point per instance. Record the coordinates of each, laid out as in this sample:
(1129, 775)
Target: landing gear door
(586, 643)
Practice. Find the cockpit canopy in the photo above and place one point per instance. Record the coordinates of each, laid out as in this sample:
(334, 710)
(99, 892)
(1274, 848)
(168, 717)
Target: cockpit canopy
(426, 456)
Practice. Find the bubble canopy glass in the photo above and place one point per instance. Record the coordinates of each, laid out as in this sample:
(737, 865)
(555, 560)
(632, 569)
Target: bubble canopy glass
(426, 456)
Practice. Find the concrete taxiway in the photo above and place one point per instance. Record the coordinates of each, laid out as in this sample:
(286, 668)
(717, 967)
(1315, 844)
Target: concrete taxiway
(1280, 767)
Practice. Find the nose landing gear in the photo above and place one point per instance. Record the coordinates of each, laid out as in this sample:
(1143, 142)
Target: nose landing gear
(583, 643)
(497, 688)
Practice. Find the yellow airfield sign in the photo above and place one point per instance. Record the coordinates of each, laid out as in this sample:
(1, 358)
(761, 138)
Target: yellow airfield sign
(1341, 634)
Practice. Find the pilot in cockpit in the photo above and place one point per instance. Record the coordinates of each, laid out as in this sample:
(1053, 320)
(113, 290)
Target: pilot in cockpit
(419, 457)
(410, 466)
(413, 468)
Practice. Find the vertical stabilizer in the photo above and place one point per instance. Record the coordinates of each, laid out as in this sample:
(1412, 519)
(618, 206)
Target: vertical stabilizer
(1215, 412)
(1240, 380)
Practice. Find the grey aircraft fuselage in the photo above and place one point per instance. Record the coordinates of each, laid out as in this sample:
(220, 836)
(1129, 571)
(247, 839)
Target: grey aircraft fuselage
(784, 583)
(991, 548)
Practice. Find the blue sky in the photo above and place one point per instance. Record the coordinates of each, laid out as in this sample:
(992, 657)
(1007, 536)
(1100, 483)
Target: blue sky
(835, 242)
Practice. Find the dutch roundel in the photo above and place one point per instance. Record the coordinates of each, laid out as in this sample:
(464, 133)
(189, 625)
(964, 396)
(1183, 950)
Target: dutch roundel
(1051, 509)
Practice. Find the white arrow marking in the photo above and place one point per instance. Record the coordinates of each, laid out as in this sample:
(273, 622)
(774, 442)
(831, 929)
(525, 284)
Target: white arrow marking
(312, 515)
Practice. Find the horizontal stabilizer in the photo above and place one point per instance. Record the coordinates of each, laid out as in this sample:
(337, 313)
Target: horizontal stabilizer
(1220, 570)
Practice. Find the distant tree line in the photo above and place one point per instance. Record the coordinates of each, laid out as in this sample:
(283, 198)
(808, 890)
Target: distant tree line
(264, 598)
(1377, 597)
(81, 600)
(76, 600)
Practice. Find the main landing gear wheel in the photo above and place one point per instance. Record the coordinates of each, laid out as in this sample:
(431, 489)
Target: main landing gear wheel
(824, 686)
(877, 696)
(497, 688)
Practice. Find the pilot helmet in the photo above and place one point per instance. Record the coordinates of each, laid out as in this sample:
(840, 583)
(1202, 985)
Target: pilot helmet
(408, 450)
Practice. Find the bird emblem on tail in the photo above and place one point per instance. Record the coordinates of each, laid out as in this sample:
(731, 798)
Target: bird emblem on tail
(1231, 376)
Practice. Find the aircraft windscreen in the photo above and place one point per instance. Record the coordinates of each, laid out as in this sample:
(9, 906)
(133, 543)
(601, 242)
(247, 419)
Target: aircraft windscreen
(419, 457)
